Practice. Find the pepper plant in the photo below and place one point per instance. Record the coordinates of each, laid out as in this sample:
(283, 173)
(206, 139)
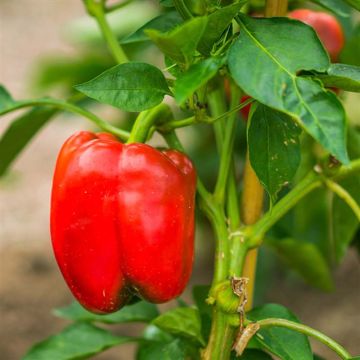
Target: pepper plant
(297, 147)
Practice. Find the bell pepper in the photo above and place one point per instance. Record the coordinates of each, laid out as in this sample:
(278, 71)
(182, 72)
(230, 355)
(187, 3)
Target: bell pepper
(122, 220)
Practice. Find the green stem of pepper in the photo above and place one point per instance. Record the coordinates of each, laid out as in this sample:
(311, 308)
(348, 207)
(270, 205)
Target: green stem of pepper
(64, 105)
(96, 9)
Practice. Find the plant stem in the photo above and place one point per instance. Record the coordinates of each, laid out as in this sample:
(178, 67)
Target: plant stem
(146, 120)
(217, 348)
(227, 149)
(64, 105)
(182, 9)
(309, 183)
(307, 331)
(251, 209)
(344, 195)
(117, 6)
(97, 10)
(276, 8)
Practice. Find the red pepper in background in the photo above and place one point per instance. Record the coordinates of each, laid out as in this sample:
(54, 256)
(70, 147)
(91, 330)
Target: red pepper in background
(122, 220)
(326, 26)
(246, 109)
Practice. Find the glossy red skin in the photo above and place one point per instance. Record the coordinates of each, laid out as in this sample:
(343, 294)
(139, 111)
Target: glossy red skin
(122, 221)
(326, 26)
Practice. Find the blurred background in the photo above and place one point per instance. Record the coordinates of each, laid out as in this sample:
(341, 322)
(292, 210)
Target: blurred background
(45, 45)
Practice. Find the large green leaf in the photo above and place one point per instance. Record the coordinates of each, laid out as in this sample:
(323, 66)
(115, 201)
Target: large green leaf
(197, 75)
(217, 22)
(132, 86)
(183, 322)
(306, 259)
(162, 23)
(264, 61)
(276, 157)
(180, 44)
(338, 7)
(20, 132)
(77, 341)
(346, 77)
(285, 343)
(138, 312)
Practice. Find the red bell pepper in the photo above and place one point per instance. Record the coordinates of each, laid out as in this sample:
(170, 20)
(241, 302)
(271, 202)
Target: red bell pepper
(122, 220)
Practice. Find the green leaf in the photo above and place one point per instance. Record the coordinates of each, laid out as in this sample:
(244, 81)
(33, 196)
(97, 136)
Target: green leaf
(183, 322)
(285, 343)
(252, 354)
(218, 21)
(197, 75)
(173, 350)
(180, 44)
(20, 132)
(77, 341)
(338, 7)
(342, 76)
(264, 62)
(276, 157)
(6, 101)
(139, 312)
(162, 23)
(131, 87)
(306, 259)
(354, 3)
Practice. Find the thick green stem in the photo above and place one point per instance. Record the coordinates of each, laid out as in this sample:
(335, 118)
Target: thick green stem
(64, 105)
(307, 331)
(97, 9)
(146, 120)
(227, 149)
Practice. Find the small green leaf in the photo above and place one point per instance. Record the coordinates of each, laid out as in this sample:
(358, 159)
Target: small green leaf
(77, 341)
(306, 259)
(338, 7)
(139, 312)
(162, 23)
(197, 75)
(218, 21)
(276, 157)
(131, 87)
(180, 44)
(6, 100)
(183, 322)
(20, 132)
(342, 76)
(265, 65)
(285, 343)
